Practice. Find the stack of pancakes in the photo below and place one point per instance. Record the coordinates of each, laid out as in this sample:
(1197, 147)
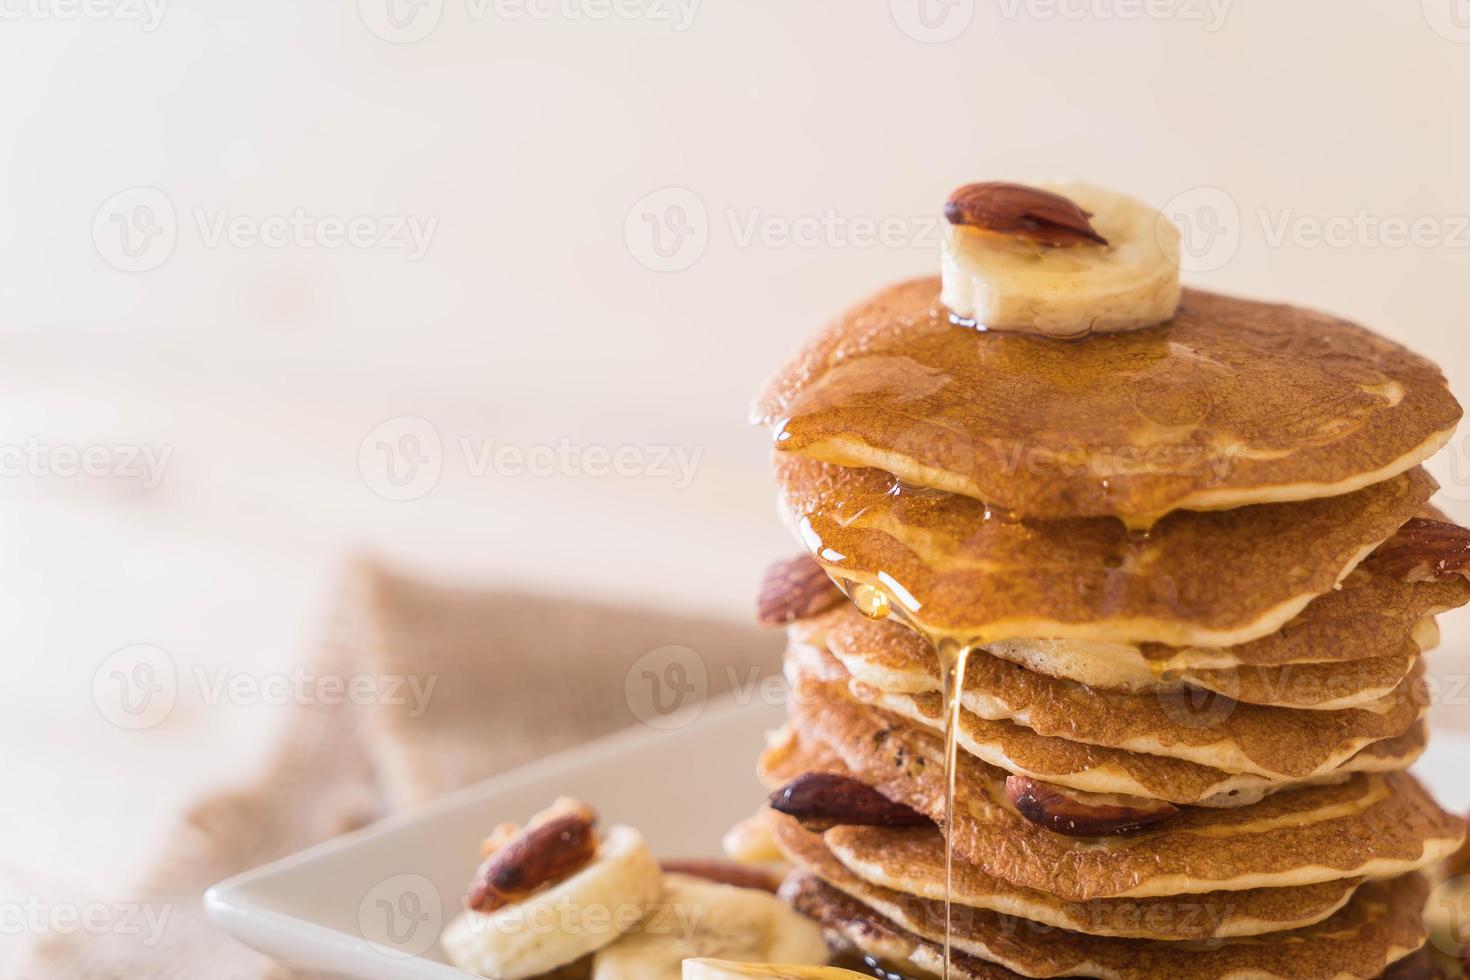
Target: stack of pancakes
(1197, 567)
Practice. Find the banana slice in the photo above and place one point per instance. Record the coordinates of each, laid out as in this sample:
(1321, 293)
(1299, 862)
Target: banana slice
(999, 271)
(565, 922)
(700, 918)
(751, 842)
(726, 970)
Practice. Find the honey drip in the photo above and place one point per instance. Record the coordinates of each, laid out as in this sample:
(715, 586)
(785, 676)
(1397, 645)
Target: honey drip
(953, 659)
(871, 601)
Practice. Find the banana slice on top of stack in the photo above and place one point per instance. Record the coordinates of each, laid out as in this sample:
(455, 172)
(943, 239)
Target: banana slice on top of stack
(1057, 258)
(558, 894)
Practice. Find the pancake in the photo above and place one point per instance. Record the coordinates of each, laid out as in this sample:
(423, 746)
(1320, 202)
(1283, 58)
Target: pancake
(1381, 923)
(1233, 402)
(1371, 825)
(911, 861)
(1373, 622)
(851, 924)
(957, 570)
(1370, 615)
(1089, 768)
(1124, 667)
(1209, 730)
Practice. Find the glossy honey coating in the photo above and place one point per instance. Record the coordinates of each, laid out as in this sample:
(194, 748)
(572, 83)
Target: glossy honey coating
(1232, 402)
(1043, 747)
(955, 569)
(1372, 825)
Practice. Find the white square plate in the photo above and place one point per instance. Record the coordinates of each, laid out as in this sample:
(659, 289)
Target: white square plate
(371, 904)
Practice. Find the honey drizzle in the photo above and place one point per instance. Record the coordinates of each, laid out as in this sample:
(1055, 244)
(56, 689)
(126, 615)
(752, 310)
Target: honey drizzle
(874, 602)
(953, 658)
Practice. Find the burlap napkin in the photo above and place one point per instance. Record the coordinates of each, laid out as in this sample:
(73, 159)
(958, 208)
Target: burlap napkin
(514, 677)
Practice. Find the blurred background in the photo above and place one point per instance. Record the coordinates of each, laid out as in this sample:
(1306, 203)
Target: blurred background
(486, 286)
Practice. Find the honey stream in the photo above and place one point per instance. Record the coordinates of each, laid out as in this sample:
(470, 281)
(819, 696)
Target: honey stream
(953, 658)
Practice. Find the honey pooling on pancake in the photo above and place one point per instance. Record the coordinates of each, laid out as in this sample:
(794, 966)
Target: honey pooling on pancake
(1231, 403)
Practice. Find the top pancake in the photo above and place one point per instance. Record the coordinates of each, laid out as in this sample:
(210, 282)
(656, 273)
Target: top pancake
(1232, 402)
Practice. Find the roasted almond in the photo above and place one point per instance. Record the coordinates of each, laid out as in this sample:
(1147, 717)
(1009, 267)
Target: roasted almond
(1424, 550)
(555, 845)
(1026, 213)
(820, 801)
(1076, 814)
(794, 589)
(726, 873)
(502, 835)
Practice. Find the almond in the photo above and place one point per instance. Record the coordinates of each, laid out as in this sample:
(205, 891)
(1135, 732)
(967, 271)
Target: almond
(726, 873)
(1075, 814)
(1424, 550)
(795, 589)
(554, 846)
(820, 801)
(1017, 211)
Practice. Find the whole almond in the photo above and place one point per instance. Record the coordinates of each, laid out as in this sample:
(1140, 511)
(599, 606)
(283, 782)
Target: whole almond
(794, 589)
(1026, 213)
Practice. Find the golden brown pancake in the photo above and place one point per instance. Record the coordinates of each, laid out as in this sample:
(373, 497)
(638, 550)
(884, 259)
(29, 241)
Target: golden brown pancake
(910, 860)
(1372, 825)
(848, 923)
(1233, 402)
(1369, 616)
(1381, 923)
(1088, 768)
(953, 569)
(1206, 729)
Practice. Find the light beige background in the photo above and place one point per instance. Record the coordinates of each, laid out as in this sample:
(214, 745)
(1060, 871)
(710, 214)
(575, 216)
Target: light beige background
(534, 318)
